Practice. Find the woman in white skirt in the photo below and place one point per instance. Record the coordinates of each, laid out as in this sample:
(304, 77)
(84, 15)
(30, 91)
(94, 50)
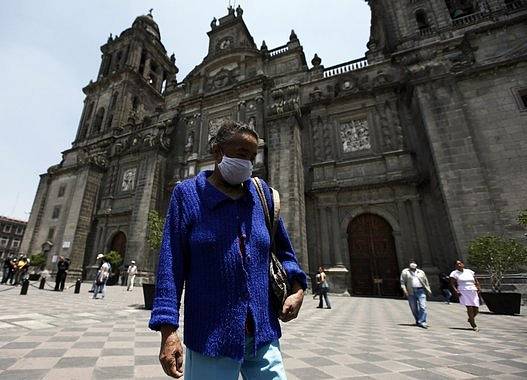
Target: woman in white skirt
(467, 287)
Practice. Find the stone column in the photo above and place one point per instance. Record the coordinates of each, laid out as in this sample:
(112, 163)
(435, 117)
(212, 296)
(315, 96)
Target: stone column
(260, 116)
(462, 178)
(286, 174)
(325, 251)
(337, 249)
(424, 248)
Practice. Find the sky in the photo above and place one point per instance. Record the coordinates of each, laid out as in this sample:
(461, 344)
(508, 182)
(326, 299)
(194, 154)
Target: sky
(49, 50)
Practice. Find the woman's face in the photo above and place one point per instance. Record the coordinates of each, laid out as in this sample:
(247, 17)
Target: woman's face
(459, 265)
(241, 145)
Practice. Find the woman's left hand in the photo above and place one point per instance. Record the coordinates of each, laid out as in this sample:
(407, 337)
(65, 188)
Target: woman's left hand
(292, 305)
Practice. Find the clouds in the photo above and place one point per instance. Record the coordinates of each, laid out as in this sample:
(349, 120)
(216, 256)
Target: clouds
(50, 51)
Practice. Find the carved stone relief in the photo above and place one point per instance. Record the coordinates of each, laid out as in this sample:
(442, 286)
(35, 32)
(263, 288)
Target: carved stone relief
(355, 136)
(285, 99)
(128, 182)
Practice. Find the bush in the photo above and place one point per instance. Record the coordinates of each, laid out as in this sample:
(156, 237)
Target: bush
(496, 255)
(155, 230)
(522, 218)
(37, 260)
(115, 260)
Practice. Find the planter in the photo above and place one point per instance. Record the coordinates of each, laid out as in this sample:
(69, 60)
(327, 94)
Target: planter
(503, 303)
(149, 291)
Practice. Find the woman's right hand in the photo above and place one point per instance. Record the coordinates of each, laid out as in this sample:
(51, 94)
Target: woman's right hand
(171, 352)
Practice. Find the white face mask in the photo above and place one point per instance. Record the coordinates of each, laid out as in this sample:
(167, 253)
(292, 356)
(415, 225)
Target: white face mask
(413, 266)
(235, 170)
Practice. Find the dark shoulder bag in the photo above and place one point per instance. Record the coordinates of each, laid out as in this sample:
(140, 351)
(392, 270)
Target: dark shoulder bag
(279, 287)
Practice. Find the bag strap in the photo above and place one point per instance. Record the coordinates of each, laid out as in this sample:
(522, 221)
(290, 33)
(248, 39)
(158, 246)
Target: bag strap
(271, 223)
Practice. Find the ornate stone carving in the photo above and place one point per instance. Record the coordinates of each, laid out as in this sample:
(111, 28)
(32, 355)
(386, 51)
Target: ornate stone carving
(355, 136)
(128, 182)
(286, 99)
(214, 125)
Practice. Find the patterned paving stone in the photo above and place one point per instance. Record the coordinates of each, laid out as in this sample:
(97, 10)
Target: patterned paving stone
(76, 337)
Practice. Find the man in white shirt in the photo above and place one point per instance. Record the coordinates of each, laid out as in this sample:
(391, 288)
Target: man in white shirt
(132, 271)
(415, 287)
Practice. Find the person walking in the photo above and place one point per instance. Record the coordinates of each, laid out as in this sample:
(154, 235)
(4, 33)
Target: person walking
(102, 278)
(62, 271)
(323, 288)
(216, 242)
(444, 284)
(131, 272)
(8, 269)
(22, 267)
(467, 288)
(415, 286)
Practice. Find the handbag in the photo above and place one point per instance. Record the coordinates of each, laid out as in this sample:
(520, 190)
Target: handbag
(279, 287)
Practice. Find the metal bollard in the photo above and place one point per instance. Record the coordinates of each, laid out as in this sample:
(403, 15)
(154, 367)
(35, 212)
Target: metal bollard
(25, 286)
(78, 286)
(42, 283)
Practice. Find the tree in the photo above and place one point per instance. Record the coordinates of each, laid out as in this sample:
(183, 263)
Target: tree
(115, 259)
(522, 218)
(496, 255)
(155, 230)
(37, 260)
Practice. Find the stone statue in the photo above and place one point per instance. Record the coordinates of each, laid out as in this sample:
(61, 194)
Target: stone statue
(173, 59)
(239, 11)
(213, 23)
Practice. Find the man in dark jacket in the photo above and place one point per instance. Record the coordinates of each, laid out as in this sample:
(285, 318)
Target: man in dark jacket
(62, 271)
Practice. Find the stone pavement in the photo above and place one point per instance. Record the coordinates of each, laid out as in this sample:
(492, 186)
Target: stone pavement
(48, 335)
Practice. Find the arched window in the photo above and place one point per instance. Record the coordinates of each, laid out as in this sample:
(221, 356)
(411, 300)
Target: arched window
(142, 63)
(97, 123)
(111, 110)
(86, 120)
(422, 20)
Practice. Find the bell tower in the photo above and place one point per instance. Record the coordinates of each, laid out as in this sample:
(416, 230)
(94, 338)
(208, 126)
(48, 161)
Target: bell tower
(130, 83)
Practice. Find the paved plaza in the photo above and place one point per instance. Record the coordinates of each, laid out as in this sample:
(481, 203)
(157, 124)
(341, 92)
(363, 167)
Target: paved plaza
(49, 335)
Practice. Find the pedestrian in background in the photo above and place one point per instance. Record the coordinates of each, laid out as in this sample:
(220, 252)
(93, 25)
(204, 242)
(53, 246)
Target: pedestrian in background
(102, 278)
(323, 288)
(467, 288)
(62, 271)
(444, 283)
(131, 272)
(415, 288)
(8, 269)
(22, 267)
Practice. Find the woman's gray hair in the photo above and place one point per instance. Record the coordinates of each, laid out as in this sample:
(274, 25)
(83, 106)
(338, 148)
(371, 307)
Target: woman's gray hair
(227, 130)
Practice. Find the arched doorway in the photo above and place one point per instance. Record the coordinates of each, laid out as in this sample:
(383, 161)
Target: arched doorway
(119, 243)
(373, 261)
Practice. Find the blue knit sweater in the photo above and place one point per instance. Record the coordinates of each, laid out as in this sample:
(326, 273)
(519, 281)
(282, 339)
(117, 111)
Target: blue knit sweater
(219, 248)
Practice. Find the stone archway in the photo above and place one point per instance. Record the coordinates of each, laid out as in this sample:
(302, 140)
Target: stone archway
(118, 243)
(373, 259)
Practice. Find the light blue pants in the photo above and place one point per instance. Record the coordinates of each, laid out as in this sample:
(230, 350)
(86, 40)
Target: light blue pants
(417, 303)
(266, 365)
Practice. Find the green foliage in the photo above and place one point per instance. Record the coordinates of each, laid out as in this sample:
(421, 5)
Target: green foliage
(522, 218)
(155, 230)
(115, 259)
(37, 260)
(496, 255)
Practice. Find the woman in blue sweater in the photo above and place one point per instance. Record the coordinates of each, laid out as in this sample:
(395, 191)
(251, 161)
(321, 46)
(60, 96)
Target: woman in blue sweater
(216, 243)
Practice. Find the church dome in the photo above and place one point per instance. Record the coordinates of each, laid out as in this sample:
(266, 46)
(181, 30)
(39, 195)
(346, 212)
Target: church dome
(147, 22)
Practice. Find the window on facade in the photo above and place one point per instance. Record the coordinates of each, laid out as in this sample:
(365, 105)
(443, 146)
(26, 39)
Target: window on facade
(460, 8)
(355, 136)
(135, 103)
(3, 242)
(422, 20)
(118, 61)
(7, 228)
(19, 230)
(142, 63)
(15, 244)
(62, 191)
(97, 123)
(51, 233)
(523, 98)
(56, 212)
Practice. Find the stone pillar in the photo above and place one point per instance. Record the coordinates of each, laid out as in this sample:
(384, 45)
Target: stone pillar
(337, 249)
(461, 176)
(260, 115)
(325, 248)
(80, 216)
(424, 248)
(286, 174)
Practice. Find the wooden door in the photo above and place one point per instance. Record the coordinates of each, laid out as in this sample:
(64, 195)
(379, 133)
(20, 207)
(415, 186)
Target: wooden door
(373, 261)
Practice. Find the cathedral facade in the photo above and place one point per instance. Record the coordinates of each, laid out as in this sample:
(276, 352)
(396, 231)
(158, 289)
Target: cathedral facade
(409, 152)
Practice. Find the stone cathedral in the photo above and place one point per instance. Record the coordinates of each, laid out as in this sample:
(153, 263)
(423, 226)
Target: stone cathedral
(409, 152)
